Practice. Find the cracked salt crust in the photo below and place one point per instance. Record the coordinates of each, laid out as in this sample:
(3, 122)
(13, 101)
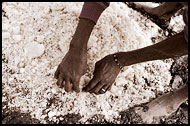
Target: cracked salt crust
(52, 25)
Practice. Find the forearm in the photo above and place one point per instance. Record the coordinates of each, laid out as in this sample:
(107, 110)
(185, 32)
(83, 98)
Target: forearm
(82, 34)
(90, 13)
(169, 48)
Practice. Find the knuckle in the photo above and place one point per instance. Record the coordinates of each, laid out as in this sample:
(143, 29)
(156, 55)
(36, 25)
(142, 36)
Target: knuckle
(97, 63)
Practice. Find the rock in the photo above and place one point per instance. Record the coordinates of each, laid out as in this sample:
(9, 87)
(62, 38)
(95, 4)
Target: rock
(34, 49)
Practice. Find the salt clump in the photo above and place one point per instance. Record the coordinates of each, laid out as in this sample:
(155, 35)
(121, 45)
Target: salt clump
(16, 29)
(177, 81)
(17, 38)
(5, 27)
(51, 114)
(5, 35)
(34, 49)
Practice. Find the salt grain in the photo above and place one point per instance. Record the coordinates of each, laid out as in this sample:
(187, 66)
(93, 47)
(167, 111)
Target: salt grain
(53, 90)
(117, 28)
(5, 26)
(177, 81)
(17, 38)
(5, 35)
(22, 70)
(16, 29)
(11, 79)
(34, 49)
(51, 114)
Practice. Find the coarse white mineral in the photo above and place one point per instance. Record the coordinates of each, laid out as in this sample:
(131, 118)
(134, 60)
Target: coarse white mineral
(177, 81)
(16, 29)
(5, 27)
(22, 70)
(34, 49)
(119, 28)
(17, 38)
(5, 35)
(51, 114)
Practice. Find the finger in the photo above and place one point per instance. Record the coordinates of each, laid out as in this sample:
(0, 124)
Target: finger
(68, 86)
(76, 86)
(105, 87)
(98, 87)
(56, 75)
(109, 88)
(60, 81)
(91, 84)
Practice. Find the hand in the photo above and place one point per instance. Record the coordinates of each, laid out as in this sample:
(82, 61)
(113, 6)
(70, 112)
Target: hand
(72, 67)
(105, 73)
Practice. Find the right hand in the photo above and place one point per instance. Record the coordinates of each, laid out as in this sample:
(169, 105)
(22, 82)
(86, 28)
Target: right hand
(70, 70)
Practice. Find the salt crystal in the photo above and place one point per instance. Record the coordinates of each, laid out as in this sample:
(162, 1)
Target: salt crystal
(33, 70)
(61, 118)
(16, 29)
(21, 65)
(114, 89)
(177, 81)
(34, 49)
(5, 27)
(22, 70)
(5, 35)
(51, 114)
(28, 78)
(17, 38)
(53, 90)
(40, 38)
(11, 79)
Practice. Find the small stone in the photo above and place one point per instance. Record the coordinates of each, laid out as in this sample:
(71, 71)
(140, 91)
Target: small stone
(34, 49)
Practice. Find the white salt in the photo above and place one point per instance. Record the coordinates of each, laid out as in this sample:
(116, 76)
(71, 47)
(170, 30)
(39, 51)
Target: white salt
(17, 38)
(5, 35)
(34, 49)
(51, 114)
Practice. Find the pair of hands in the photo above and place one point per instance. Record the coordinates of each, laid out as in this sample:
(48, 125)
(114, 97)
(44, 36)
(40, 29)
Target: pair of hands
(73, 66)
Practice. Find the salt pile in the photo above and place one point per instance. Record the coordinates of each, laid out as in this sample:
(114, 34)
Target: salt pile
(36, 37)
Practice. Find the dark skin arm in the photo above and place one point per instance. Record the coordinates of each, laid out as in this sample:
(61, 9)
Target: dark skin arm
(106, 69)
(73, 65)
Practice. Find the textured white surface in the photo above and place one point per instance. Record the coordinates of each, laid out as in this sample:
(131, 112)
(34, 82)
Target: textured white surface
(34, 49)
(45, 36)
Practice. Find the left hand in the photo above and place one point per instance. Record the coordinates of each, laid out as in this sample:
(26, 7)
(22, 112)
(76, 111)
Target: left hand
(105, 73)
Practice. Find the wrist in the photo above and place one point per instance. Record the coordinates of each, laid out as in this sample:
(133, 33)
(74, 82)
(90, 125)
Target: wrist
(125, 58)
(82, 34)
(115, 58)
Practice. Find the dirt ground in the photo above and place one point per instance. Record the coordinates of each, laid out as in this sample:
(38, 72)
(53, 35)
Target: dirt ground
(178, 68)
